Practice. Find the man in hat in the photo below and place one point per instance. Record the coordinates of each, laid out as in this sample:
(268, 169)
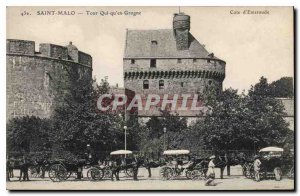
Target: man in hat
(256, 167)
(210, 176)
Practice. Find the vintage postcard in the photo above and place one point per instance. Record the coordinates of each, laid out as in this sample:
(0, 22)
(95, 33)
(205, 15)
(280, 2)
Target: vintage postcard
(150, 98)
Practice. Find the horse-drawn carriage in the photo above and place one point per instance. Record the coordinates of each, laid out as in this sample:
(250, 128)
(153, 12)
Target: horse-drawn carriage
(179, 162)
(61, 170)
(123, 163)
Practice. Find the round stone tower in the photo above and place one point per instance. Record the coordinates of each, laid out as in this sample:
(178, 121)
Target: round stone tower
(34, 78)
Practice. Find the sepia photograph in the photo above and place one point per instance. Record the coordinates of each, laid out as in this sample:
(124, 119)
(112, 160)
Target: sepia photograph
(150, 98)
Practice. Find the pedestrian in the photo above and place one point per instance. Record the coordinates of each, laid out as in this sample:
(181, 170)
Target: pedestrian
(210, 176)
(115, 165)
(135, 167)
(256, 167)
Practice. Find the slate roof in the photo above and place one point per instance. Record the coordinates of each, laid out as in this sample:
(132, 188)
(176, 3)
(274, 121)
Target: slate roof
(138, 45)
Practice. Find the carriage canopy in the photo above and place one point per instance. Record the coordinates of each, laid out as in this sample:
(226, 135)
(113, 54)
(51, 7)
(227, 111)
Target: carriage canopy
(176, 152)
(271, 149)
(121, 152)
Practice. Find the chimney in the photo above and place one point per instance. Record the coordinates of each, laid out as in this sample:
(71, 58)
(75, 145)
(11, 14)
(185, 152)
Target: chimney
(181, 28)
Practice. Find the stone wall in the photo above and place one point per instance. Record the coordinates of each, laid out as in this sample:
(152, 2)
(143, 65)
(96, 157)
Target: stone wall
(20, 47)
(183, 76)
(173, 64)
(33, 81)
(54, 51)
(84, 58)
(173, 85)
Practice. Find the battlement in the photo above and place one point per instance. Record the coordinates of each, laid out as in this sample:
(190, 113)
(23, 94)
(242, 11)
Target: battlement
(20, 46)
(68, 53)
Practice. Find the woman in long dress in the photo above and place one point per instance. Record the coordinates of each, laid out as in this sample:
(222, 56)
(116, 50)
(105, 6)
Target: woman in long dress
(210, 176)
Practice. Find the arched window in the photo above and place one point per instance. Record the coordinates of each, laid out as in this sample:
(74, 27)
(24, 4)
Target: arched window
(161, 84)
(146, 84)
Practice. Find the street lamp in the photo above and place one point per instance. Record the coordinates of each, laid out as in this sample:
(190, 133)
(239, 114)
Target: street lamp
(165, 130)
(125, 128)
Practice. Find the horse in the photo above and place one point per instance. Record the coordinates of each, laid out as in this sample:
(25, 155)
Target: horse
(20, 164)
(152, 164)
(234, 159)
(118, 165)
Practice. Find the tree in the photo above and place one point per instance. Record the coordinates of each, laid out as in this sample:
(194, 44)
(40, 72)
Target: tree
(242, 122)
(153, 138)
(77, 121)
(283, 87)
(266, 116)
(28, 134)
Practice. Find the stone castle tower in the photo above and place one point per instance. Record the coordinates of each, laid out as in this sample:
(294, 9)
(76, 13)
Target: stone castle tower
(33, 78)
(169, 61)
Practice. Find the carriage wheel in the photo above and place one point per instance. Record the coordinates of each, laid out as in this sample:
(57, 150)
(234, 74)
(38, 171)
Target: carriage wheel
(278, 173)
(198, 174)
(107, 173)
(95, 174)
(244, 170)
(68, 175)
(166, 173)
(58, 173)
(250, 172)
(129, 172)
(176, 172)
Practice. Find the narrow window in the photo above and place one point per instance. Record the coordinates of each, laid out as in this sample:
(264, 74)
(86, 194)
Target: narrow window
(208, 60)
(161, 84)
(146, 84)
(132, 61)
(181, 84)
(153, 63)
(46, 79)
(178, 60)
(209, 82)
(153, 42)
(194, 60)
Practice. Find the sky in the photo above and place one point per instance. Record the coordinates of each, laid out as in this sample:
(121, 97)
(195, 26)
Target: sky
(253, 45)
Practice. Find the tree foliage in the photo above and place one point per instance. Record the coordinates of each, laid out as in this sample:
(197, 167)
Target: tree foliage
(238, 122)
(242, 122)
(28, 134)
(77, 122)
(283, 87)
(153, 138)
